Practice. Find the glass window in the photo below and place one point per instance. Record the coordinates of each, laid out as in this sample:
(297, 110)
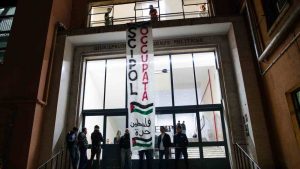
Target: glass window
(211, 126)
(90, 122)
(191, 11)
(97, 15)
(113, 125)
(94, 85)
(164, 120)
(189, 2)
(193, 152)
(163, 92)
(115, 84)
(296, 99)
(272, 9)
(124, 13)
(142, 10)
(214, 152)
(171, 9)
(207, 78)
(183, 80)
(188, 122)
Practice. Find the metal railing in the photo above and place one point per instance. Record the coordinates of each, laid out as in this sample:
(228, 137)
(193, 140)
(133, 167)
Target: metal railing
(60, 160)
(243, 160)
(96, 19)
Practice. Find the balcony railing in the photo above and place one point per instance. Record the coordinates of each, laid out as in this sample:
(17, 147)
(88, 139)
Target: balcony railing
(5, 27)
(139, 11)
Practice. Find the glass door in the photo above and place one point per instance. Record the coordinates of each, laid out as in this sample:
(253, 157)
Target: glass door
(115, 128)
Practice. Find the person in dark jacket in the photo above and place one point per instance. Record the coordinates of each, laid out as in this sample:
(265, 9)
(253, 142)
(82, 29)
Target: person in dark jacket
(73, 147)
(83, 145)
(125, 150)
(149, 158)
(181, 142)
(97, 138)
(163, 145)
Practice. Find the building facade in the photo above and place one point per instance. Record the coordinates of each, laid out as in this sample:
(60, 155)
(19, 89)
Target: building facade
(228, 69)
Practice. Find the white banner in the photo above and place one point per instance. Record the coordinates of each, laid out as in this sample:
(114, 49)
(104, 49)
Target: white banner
(140, 86)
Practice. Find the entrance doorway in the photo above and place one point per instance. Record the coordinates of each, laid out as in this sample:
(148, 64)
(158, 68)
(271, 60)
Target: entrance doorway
(187, 90)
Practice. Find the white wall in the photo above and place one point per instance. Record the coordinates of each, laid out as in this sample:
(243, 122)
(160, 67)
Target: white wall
(61, 113)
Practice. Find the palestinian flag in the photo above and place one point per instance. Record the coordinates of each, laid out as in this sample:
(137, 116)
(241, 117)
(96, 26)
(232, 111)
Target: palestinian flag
(142, 109)
(141, 142)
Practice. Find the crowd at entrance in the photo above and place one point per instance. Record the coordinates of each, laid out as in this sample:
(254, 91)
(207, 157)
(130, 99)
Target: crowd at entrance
(77, 145)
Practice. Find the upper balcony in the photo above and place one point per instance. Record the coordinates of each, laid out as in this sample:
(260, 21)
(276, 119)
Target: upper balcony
(116, 14)
(6, 19)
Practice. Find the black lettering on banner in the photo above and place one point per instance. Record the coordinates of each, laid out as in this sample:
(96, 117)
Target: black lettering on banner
(131, 90)
(132, 75)
(132, 63)
(129, 43)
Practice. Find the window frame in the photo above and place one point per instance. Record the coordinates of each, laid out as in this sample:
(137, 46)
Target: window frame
(296, 104)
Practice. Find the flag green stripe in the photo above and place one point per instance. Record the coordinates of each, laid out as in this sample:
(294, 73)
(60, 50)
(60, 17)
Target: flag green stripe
(142, 145)
(142, 112)
(142, 139)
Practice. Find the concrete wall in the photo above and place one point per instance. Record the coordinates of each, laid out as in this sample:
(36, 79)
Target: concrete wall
(23, 77)
(278, 83)
(250, 98)
(281, 79)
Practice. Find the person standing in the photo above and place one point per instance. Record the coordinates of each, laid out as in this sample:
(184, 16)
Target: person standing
(149, 158)
(72, 147)
(125, 151)
(181, 142)
(163, 143)
(83, 145)
(178, 123)
(183, 127)
(118, 137)
(107, 18)
(153, 13)
(97, 138)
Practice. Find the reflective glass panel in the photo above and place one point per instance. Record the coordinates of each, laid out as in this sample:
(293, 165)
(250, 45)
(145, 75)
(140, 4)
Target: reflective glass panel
(188, 122)
(163, 93)
(193, 152)
(207, 77)
(214, 152)
(94, 85)
(115, 84)
(124, 13)
(164, 120)
(189, 2)
(113, 125)
(90, 122)
(171, 9)
(211, 126)
(183, 80)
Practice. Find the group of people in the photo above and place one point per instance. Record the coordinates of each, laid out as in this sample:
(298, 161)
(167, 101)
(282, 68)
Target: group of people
(109, 20)
(180, 144)
(77, 145)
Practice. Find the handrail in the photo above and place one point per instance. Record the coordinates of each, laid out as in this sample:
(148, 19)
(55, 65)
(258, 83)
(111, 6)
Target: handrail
(59, 160)
(243, 159)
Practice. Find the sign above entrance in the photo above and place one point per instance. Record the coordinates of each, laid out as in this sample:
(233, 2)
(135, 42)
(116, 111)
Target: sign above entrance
(140, 86)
